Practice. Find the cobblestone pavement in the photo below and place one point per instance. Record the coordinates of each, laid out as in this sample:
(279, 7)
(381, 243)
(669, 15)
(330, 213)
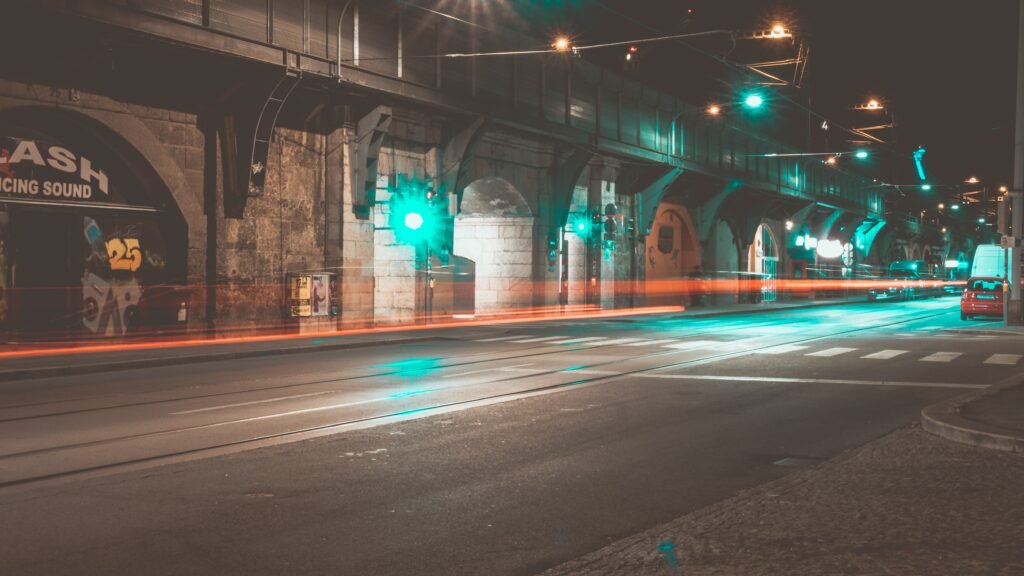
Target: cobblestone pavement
(907, 504)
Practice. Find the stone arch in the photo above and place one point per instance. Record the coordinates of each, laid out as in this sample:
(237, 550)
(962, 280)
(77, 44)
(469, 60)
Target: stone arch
(722, 262)
(763, 255)
(134, 207)
(671, 253)
(495, 230)
(915, 251)
(132, 138)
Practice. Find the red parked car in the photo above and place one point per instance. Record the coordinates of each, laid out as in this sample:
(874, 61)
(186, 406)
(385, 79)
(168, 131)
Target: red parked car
(982, 297)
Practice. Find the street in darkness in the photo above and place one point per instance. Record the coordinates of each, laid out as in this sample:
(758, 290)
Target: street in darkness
(509, 287)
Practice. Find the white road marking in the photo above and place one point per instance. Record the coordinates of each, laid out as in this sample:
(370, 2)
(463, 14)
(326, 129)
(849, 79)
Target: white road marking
(810, 381)
(498, 339)
(616, 342)
(589, 371)
(783, 349)
(830, 352)
(1007, 359)
(692, 344)
(885, 354)
(578, 340)
(254, 402)
(942, 357)
(653, 342)
(528, 340)
(486, 370)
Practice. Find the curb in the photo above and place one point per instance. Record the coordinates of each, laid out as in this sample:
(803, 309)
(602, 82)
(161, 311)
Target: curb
(944, 419)
(47, 371)
(781, 308)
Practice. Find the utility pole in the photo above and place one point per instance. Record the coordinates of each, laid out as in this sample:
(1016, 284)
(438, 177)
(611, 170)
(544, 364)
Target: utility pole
(1013, 261)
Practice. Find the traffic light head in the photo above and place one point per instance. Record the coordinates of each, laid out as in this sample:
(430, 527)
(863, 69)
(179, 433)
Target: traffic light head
(415, 218)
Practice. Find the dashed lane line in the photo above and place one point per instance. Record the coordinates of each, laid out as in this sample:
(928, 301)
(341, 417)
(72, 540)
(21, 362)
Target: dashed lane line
(773, 380)
(942, 357)
(1006, 359)
(885, 354)
(830, 352)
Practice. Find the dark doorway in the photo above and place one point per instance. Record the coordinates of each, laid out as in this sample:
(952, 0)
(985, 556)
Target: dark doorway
(46, 272)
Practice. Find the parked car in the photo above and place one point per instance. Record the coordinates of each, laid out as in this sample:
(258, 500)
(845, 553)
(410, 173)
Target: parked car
(983, 296)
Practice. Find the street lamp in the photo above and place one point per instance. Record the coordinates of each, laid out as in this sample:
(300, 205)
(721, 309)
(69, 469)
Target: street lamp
(714, 110)
(561, 44)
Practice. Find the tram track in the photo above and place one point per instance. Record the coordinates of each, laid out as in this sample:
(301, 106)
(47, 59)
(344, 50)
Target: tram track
(298, 433)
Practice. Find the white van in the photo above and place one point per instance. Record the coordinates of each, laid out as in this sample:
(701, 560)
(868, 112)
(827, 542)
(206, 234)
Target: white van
(989, 262)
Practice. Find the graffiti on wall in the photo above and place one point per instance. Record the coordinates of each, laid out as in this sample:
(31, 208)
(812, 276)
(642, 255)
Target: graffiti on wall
(124, 257)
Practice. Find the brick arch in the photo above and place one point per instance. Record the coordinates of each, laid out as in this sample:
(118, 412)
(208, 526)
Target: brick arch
(495, 230)
(672, 252)
(138, 152)
(136, 143)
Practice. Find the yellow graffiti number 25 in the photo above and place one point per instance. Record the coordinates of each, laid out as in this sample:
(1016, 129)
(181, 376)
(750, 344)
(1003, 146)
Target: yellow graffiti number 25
(124, 254)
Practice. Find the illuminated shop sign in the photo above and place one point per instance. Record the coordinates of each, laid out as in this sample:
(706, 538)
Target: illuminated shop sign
(37, 170)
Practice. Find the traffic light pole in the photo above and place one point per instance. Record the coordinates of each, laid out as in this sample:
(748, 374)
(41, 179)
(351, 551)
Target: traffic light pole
(1013, 260)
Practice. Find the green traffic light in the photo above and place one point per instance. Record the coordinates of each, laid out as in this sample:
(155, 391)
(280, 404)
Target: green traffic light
(754, 101)
(955, 207)
(413, 221)
(416, 216)
(927, 187)
(861, 154)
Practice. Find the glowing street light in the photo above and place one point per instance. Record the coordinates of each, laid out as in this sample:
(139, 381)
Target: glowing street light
(1003, 189)
(714, 110)
(831, 161)
(561, 44)
(779, 30)
(972, 180)
(942, 206)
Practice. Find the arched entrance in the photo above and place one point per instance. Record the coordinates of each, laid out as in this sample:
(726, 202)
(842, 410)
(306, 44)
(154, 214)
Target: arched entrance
(763, 262)
(725, 256)
(494, 229)
(671, 253)
(92, 243)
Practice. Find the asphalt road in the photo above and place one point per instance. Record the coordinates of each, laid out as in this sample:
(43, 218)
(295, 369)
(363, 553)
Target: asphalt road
(503, 450)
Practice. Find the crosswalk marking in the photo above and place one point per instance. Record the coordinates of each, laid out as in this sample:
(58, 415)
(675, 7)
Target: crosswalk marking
(783, 349)
(653, 342)
(498, 339)
(617, 341)
(528, 340)
(885, 354)
(577, 340)
(941, 357)
(692, 344)
(829, 352)
(1008, 359)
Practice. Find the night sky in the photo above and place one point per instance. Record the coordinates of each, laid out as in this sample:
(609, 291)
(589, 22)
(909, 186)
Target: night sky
(947, 68)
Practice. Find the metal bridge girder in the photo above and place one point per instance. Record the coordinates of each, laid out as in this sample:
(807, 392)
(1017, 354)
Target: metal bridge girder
(247, 127)
(365, 149)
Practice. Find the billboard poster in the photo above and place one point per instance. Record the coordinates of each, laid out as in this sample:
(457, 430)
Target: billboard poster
(299, 295)
(320, 295)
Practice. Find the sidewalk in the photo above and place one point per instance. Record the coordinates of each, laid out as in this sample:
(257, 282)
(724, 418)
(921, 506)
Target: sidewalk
(18, 361)
(908, 504)
(990, 418)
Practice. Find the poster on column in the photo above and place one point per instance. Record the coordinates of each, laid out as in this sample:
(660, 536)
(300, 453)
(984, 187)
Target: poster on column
(320, 295)
(299, 295)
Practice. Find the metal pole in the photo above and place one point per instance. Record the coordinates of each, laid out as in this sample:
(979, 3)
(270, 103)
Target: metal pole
(1013, 301)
